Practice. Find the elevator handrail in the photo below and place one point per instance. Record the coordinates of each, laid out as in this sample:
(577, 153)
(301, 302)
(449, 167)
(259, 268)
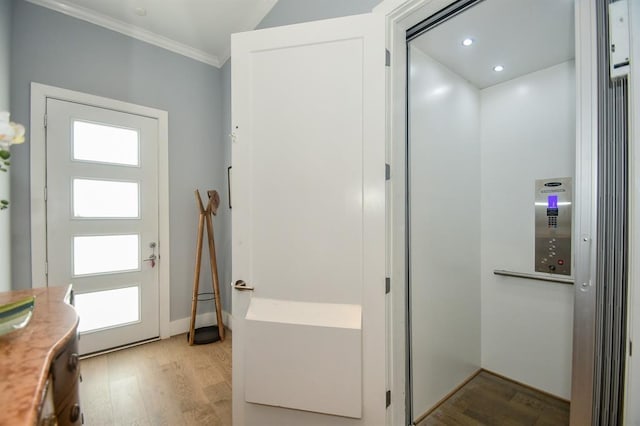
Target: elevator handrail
(533, 276)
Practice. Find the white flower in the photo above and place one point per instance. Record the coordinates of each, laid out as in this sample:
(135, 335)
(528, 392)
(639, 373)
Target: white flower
(10, 133)
(6, 130)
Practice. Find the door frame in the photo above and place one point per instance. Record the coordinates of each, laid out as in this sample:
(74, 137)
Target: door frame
(39, 95)
(401, 15)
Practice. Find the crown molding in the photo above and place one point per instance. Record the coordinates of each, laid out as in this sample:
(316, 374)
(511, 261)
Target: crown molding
(129, 30)
(252, 20)
(225, 57)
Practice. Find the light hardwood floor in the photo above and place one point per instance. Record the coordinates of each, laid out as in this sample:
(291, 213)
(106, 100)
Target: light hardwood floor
(161, 383)
(491, 400)
(171, 383)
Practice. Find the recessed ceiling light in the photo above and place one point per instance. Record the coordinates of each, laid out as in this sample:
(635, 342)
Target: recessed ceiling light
(498, 68)
(467, 42)
(140, 11)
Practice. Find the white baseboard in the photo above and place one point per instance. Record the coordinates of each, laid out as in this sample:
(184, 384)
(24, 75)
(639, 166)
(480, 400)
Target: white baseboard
(181, 325)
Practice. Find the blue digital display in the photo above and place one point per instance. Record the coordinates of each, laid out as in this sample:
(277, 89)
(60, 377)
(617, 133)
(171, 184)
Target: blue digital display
(552, 202)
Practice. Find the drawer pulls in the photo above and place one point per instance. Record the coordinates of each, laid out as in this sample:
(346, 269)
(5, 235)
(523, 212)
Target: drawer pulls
(74, 413)
(72, 363)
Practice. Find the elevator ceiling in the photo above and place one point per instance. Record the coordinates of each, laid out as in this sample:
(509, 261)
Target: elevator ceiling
(523, 36)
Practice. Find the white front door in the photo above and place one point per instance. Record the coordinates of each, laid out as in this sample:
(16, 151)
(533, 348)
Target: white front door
(309, 224)
(102, 220)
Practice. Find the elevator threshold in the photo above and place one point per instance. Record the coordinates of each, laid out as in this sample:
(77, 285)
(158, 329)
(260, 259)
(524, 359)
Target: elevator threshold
(489, 399)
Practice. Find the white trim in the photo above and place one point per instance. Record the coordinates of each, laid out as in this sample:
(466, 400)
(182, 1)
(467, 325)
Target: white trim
(39, 95)
(164, 239)
(400, 15)
(130, 30)
(119, 348)
(181, 325)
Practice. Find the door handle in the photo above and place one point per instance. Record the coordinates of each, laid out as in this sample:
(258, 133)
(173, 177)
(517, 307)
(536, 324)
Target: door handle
(242, 286)
(152, 258)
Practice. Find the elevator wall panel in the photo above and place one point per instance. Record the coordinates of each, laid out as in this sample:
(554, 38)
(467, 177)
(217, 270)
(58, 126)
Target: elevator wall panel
(444, 206)
(528, 133)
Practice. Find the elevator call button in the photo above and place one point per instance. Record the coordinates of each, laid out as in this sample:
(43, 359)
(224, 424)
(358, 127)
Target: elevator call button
(553, 217)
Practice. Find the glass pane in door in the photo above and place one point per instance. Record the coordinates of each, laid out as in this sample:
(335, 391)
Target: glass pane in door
(105, 199)
(109, 308)
(102, 143)
(99, 254)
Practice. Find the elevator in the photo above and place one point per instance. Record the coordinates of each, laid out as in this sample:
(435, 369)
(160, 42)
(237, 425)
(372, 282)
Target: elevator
(497, 247)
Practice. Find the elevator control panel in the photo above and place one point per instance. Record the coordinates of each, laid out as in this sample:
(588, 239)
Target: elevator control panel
(554, 198)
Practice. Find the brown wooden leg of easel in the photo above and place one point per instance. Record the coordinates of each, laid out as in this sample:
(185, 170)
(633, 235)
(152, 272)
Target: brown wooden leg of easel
(196, 276)
(214, 274)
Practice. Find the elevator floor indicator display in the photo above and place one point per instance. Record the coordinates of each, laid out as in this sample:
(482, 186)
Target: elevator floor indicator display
(553, 217)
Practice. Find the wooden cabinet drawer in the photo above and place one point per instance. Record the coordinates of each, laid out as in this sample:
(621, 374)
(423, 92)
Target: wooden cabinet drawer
(66, 371)
(69, 412)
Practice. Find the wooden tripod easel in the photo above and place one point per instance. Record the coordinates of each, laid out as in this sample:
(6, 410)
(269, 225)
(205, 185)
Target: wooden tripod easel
(206, 216)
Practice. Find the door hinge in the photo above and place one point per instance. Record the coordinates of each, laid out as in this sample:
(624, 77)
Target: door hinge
(388, 399)
(46, 268)
(45, 121)
(387, 58)
(387, 285)
(630, 348)
(45, 193)
(387, 172)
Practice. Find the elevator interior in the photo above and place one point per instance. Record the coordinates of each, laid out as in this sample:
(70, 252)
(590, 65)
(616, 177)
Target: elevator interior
(491, 98)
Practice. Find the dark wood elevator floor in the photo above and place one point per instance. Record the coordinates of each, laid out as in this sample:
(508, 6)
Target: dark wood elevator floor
(491, 400)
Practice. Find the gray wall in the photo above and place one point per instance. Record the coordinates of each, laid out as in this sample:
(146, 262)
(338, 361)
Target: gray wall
(225, 277)
(285, 12)
(54, 49)
(5, 37)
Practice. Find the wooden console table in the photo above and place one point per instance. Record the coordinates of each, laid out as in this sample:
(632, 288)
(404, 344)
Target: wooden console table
(39, 365)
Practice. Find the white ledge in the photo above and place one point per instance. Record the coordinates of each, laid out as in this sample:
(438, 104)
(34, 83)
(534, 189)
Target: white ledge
(305, 313)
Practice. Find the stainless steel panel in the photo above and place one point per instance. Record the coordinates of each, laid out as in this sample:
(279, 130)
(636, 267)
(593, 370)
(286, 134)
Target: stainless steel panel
(586, 215)
(553, 225)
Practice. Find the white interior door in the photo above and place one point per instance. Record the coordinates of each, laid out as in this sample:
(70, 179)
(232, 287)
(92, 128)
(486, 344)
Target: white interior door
(309, 224)
(102, 220)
